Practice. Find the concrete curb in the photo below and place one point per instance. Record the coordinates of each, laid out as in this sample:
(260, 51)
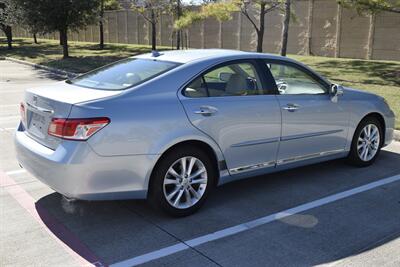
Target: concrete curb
(396, 135)
(59, 72)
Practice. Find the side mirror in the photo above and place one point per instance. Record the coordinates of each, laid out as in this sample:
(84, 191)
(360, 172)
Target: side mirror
(335, 90)
(224, 76)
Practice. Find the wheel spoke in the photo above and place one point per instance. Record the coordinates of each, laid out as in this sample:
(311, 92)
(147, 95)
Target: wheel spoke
(197, 173)
(191, 164)
(188, 197)
(194, 192)
(173, 193)
(199, 181)
(365, 153)
(171, 181)
(360, 146)
(373, 134)
(178, 197)
(183, 167)
(174, 173)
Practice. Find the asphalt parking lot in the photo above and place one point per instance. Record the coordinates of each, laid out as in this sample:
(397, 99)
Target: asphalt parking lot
(326, 214)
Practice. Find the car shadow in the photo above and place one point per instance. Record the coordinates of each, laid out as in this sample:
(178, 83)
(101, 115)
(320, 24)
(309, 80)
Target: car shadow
(118, 230)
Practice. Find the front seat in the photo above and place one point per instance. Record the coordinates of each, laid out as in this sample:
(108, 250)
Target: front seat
(236, 85)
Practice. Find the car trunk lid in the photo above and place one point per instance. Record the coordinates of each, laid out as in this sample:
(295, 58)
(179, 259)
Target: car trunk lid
(54, 101)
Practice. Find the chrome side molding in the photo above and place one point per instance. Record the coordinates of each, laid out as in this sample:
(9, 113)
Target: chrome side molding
(309, 156)
(252, 167)
(283, 161)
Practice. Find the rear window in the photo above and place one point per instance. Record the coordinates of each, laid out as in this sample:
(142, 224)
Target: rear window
(123, 74)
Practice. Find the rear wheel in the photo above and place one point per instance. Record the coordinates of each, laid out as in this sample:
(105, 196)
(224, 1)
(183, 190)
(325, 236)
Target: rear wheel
(181, 181)
(367, 142)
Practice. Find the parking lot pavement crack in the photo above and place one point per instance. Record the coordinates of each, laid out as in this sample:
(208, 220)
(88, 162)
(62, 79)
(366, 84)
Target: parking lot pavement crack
(172, 235)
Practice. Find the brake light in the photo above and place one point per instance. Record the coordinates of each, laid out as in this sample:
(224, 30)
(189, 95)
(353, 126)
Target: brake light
(76, 129)
(22, 112)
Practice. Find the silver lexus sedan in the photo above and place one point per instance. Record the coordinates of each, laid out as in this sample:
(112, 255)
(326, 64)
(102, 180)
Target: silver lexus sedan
(170, 126)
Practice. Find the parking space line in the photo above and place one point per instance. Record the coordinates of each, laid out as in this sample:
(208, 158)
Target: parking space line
(16, 172)
(63, 237)
(251, 224)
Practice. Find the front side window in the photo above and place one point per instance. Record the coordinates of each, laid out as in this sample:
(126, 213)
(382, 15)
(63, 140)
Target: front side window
(294, 81)
(239, 79)
(123, 74)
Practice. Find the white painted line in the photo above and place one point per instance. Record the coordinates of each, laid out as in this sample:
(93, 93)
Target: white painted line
(15, 172)
(9, 105)
(9, 118)
(251, 224)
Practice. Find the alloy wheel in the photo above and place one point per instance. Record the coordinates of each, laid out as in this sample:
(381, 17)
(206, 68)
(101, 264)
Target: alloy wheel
(368, 142)
(185, 182)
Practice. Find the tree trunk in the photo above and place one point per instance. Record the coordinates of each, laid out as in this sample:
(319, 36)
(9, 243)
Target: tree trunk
(153, 30)
(260, 32)
(64, 38)
(285, 29)
(101, 27)
(61, 38)
(35, 38)
(8, 32)
(178, 33)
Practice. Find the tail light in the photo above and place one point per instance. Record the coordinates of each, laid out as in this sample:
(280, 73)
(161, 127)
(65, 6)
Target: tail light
(22, 112)
(76, 129)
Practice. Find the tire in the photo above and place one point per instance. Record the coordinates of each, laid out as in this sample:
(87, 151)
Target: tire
(165, 182)
(361, 140)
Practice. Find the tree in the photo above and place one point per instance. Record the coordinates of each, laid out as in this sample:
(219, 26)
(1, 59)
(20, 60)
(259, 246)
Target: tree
(178, 15)
(64, 16)
(105, 5)
(29, 18)
(261, 7)
(372, 6)
(285, 28)
(10, 15)
(254, 10)
(151, 11)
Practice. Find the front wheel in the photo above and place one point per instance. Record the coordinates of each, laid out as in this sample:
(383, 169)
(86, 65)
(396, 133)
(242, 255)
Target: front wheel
(367, 142)
(181, 181)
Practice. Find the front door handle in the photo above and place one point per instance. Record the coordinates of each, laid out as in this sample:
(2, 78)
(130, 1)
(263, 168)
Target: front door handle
(291, 107)
(206, 110)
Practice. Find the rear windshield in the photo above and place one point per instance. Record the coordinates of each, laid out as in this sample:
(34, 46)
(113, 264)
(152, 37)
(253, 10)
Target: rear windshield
(123, 74)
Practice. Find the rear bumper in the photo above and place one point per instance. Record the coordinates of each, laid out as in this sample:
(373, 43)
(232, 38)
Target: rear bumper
(76, 171)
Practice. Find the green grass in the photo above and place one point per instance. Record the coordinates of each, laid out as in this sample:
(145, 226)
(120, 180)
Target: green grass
(380, 77)
(83, 56)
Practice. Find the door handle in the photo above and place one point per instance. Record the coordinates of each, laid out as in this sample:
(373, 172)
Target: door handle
(291, 107)
(206, 110)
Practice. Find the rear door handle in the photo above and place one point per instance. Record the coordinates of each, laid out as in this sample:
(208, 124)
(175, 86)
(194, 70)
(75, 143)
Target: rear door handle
(291, 107)
(206, 110)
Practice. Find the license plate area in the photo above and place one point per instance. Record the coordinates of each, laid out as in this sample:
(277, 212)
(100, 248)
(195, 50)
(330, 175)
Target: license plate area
(38, 125)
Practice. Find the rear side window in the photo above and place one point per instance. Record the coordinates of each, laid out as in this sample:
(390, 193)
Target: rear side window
(123, 74)
(237, 79)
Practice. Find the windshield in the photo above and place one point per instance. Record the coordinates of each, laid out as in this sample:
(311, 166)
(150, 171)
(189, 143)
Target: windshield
(123, 74)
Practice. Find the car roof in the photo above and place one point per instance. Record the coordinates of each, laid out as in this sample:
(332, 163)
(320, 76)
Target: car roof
(189, 55)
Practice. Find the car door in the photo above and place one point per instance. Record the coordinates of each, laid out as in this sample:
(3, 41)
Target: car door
(230, 104)
(312, 124)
